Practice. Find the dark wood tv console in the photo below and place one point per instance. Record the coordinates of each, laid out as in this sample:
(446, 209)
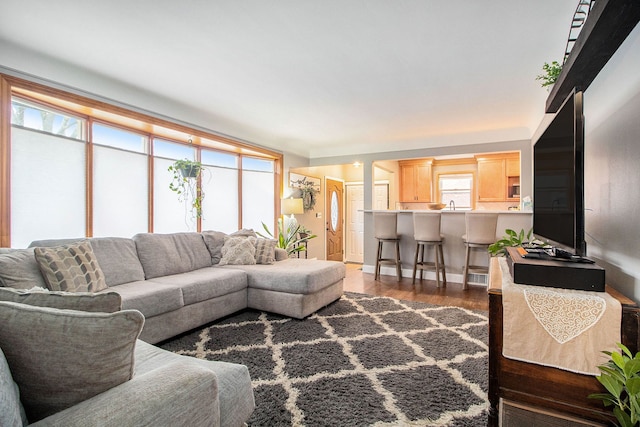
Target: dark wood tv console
(537, 387)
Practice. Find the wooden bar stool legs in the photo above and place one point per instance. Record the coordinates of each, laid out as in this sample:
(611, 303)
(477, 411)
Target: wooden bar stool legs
(437, 265)
(396, 261)
(480, 233)
(385, 226)
(426, 232)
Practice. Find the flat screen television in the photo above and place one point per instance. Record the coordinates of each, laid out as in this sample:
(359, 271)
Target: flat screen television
(558, 179)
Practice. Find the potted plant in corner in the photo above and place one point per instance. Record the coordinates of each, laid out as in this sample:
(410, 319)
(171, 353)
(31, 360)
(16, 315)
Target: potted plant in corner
(184, 182)
(304, 233)
(621, 378)
(288, 239)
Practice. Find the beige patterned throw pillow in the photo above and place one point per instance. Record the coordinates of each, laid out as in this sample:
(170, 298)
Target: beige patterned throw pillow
(238, 251)
(265, 251)
(71, 268)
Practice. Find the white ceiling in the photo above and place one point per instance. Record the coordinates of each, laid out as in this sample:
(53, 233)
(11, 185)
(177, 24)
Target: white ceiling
(316, 77)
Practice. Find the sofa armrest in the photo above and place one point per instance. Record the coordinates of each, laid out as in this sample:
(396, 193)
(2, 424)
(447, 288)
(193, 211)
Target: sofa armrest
(174, 394)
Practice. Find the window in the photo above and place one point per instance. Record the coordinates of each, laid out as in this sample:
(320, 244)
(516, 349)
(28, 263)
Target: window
(82, 168)
(47, 187)
(36, 117)
(258, 192)
(120, 182)
(456, 188)
(118, 138)
(220, 186)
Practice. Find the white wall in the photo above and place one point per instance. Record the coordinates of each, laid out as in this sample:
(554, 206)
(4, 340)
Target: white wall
(612, 168)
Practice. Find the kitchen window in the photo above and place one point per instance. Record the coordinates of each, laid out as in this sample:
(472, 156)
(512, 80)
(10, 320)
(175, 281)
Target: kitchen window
(457, 188)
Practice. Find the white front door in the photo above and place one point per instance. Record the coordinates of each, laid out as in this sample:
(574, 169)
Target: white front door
(355, 223)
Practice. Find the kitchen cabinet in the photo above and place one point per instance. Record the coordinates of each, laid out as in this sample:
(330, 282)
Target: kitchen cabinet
(415, 180)
(513, 166)
(498, 177)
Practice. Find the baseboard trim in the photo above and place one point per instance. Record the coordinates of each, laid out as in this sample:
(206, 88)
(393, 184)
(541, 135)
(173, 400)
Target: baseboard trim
(428, 275)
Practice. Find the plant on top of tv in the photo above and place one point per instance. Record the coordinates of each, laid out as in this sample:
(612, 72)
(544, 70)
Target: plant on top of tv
(551, 73)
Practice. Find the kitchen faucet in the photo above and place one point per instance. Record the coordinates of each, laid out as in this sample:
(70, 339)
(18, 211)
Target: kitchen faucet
(452, 205)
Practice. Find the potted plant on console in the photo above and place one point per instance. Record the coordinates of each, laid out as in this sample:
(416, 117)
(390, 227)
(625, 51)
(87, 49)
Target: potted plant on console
(512, 239)
(184, 182)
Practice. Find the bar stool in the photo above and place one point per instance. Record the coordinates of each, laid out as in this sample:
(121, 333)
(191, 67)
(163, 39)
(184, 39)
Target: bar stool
(481, 232)
(426, 232)
(385, 225)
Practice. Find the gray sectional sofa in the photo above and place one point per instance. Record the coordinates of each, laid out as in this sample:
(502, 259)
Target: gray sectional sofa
(177, 283)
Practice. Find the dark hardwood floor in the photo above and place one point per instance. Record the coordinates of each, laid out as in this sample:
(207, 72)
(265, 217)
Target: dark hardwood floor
(475, 298)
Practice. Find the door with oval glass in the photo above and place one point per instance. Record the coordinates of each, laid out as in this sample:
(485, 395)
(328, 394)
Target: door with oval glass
(334, 219)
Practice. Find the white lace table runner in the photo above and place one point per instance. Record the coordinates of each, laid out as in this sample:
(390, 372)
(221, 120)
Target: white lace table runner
(562, 328)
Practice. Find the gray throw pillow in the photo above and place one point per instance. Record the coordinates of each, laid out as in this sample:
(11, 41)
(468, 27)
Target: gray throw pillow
(214, 241)
(244, 232)
(19, 269)
(265, 251)
(281, 254)
(73, 268)
(11, 410)
(238, 251)
(59, 358)
(104, 302)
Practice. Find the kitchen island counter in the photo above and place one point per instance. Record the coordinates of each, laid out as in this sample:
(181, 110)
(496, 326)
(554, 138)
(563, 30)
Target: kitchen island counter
(452, 228)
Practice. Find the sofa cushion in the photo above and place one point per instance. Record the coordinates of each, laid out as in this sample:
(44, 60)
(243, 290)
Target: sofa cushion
(234, 383)
(118, 258)
(265, 251)
(238, 251)
(205, 284)
(214, 241)
(166, 254)
(104, 302)
(59, 358)
(19, 269)
(73, 267)
(296, 276)
(150, 298)
(12, 413)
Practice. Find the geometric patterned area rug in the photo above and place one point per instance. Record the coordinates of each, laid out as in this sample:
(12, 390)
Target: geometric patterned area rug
(361, 361)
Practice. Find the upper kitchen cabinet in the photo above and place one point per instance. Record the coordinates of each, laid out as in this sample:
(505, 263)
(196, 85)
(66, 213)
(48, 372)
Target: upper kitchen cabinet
(415, 180)
(498, 177)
